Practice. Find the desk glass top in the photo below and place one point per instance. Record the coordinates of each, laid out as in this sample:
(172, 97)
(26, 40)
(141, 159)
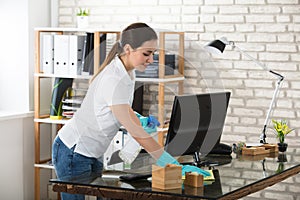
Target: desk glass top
(234, 174)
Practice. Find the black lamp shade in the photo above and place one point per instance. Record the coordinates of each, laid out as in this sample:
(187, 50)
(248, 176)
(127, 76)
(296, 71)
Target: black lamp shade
(216, 46)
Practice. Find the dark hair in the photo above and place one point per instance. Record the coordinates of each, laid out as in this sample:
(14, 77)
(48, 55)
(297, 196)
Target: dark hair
(135, 35)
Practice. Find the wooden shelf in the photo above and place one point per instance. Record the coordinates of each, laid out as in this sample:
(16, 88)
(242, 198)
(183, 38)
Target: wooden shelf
(44, 166)
(161, 80)
(42, 75)
(169, 79)
(51, 121)
(74, 29)
(39, 75)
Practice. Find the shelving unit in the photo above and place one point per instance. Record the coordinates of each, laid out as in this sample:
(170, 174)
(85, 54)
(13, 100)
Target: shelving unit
(40, 119)
(163, 79)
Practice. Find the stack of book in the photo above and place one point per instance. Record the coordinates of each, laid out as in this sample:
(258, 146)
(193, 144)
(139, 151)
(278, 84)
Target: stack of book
(71, 105)
(152, 69)
(150, 72)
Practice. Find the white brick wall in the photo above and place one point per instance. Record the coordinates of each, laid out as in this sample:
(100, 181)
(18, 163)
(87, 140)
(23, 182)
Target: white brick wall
(267, 29)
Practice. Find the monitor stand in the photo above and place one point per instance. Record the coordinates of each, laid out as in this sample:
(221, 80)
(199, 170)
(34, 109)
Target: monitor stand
(197, 160)
(202, 163)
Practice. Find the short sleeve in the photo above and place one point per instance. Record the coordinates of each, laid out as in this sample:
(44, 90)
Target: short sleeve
(115, 90)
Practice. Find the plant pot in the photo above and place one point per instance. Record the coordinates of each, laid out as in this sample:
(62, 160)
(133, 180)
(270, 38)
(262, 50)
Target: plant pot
(82, 21)
(282, 147)
(282, 158)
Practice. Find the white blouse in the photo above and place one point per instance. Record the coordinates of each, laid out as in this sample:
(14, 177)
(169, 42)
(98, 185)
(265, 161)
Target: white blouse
(93, 126)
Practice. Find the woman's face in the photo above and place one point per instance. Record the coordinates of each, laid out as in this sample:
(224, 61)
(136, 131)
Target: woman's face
(142, 56)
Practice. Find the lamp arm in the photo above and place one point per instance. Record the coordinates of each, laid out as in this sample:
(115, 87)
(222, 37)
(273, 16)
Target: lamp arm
(248, 56)
(275, 94)
(280, 79)
(279, 76)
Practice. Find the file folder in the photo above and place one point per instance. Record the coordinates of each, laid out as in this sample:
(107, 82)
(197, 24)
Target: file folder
(61, 54)
(88, 60)
(47, 54)
(76, 46)
(102, 49)
(84, 54)
(89, 54)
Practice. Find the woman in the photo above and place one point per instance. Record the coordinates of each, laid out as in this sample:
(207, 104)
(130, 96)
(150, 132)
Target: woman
(81, 143)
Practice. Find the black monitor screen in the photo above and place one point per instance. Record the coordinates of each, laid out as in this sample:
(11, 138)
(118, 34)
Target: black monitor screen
(196, 123)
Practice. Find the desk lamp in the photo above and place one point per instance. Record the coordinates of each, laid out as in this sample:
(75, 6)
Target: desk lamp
(218, 46)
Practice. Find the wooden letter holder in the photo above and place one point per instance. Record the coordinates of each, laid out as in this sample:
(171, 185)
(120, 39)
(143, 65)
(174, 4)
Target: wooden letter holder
(193, 179)
(168, 177)
(264, 149)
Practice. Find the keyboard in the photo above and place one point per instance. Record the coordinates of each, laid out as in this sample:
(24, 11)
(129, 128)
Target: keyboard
(134, 177)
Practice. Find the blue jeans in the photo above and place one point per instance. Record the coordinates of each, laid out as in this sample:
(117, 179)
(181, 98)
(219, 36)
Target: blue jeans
(69, 165)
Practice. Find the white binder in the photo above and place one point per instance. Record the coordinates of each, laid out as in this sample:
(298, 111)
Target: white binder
(47, 54)
(61, 54)
(116, 144)
(76, 46)
(130, 150)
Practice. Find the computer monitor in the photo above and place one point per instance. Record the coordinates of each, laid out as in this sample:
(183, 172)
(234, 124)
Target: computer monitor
(196, 124)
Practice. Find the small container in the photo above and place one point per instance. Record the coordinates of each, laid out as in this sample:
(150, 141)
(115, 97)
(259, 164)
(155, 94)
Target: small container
(167, 178)
(193, 179)
(82, 21)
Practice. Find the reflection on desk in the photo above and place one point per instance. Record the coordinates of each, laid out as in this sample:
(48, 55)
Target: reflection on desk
(240, 177)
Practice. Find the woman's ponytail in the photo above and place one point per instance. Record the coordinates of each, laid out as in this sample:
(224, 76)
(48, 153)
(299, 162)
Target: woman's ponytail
(115, 50)
(134, 35)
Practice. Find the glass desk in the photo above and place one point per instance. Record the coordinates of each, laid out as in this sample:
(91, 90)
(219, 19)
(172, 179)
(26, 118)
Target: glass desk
(236, 176)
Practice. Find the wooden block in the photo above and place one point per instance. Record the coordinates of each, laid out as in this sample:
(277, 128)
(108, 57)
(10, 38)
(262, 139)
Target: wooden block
(193, 179)
(174, 191)
(196, 191)
(254, 150)
(253, 158)
(272, 147)
(168, 177)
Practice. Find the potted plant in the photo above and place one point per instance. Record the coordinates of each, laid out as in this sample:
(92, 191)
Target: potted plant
(83, 17)
(237, 148)
(281, 130)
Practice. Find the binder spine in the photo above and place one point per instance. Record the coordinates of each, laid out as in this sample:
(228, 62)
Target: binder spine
(80, 53)
(61, 54)
(76, 47)
(47, 53)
